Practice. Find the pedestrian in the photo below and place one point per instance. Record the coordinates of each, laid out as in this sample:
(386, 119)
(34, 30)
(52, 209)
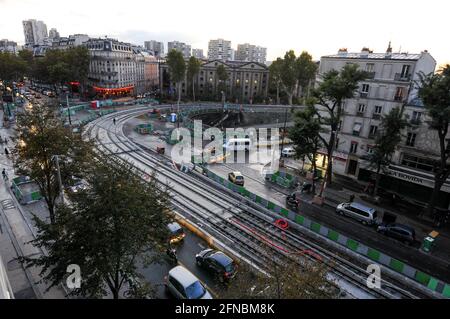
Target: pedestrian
(5, 176)
(6, 141)
(6, 151)
(114, 121)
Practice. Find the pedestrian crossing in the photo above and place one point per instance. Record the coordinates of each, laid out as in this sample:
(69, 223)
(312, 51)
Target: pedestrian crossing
(7, 204)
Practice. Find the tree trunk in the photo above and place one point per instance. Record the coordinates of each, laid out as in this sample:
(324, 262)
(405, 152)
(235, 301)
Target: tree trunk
(290, 98)
(434, 196)
(377, 181)
(193, 90)
(314, 174)
(278, 94)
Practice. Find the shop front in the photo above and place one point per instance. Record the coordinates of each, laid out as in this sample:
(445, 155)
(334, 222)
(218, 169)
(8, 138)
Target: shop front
(111, 93)
(409, 183)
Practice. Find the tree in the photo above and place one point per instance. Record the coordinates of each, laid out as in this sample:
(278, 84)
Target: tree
(332, 91)
(193, 69)
(78, 60)
(387, 139)
(12, 67)
(275, 75)
(289, 74)
(222, 76)
(306, 69)
(434, 91)
(41, 137)
(305, 135)
(177, 70)
(117, 222)
(287, 278)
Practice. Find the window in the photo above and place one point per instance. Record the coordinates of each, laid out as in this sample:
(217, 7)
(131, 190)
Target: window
(416, 116)
(353, 147)
(357, 129)
(373, 130)
(410, 139)
(417, 162)
(405, 71)
(378, 109)
(370, 149)
(370, 67)
(398, 94)
(361, 108)
(365, 88)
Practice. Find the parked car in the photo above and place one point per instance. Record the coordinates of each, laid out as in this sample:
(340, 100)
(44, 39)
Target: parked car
(401, 232)
(78, 185)
(176, 233)
(360, 212)
(236, 178)
(182, 284)
(288, 152)
(218, 263)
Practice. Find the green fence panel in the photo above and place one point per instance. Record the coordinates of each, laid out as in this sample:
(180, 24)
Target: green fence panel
(284, 212)
(353, 245)
(373, 254)
(333, 235)
(270, 205)
(299, 219)
(433, 283)
(258, 199)
(315, 227)
(446, 291)
(397, 265)
(423, 278)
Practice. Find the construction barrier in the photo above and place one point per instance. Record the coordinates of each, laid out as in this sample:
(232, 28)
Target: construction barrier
(25, 190)
(426, 280)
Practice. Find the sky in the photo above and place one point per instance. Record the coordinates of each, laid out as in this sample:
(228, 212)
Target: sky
(320, 27)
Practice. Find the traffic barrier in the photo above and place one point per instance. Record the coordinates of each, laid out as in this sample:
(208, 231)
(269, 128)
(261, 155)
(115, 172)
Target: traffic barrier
(426, 280)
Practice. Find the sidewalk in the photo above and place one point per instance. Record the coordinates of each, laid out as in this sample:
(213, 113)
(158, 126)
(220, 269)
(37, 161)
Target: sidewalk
(25, 282)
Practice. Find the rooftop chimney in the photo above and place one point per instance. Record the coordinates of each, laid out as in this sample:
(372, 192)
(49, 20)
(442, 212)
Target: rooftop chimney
(389, 51)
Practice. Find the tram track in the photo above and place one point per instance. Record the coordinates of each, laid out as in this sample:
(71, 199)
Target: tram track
(220, 211)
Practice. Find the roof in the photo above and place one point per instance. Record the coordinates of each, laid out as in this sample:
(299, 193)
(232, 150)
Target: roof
(183, 276)
(237, 173)
(173, 227)
(362, 207)
(221, 258)
(376, 56)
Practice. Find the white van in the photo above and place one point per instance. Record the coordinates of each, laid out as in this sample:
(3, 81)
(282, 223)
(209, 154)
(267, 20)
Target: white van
(238, 144)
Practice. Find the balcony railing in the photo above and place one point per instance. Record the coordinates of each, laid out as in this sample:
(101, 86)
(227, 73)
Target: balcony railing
(364, 94)
(370, 75)
(402, 77)
(376, 116)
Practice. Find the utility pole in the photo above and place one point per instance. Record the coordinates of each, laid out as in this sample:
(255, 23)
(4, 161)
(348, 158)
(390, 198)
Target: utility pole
(284, 133)
(68, 108)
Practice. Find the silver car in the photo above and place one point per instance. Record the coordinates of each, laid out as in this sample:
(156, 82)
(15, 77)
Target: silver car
(184, 285)
(360, 212)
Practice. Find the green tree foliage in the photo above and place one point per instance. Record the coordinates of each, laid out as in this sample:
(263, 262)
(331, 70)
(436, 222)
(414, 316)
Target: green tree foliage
(12, 67)
(387, 138)
(115, 224)
(335, 87)
(193, 69)
(434, 90)
(289, 278)
(177, 70)
(289, 74)
(275, 72)
(41, 136)
(306, 69)
(305, 136)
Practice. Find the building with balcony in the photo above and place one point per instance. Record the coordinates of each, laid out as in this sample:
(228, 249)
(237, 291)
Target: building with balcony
(220, 49)
(251, 53)
(156, 47)
(8, 46)
(391, 83)
(198, 53)
(184, 48)
(35, 32)
(116, 69)
(247, 82)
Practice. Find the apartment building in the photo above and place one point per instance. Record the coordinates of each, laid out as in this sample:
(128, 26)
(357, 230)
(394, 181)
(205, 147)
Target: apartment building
(35, 32)
(184, 48)
(251, 53)
(198, 53)
(391, 83)
(220, 49)
(156, 47)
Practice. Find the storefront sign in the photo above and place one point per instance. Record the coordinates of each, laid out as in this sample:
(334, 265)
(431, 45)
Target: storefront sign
(415, 179)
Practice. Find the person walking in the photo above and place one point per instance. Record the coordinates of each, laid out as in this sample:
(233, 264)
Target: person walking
(114, 121)
(5, 176)
(6, 152)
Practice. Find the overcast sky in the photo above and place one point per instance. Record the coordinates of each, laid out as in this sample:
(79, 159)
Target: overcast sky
(321, 26)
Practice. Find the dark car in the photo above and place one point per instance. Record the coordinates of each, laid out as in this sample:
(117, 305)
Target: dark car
(401, 232)
(218, 263)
